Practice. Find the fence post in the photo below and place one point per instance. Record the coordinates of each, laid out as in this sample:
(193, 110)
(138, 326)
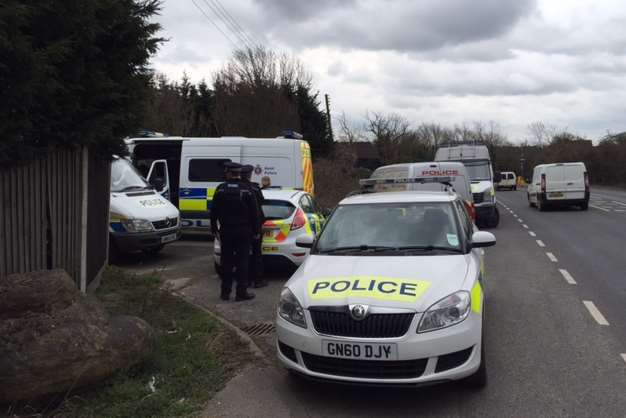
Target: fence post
(84, 178)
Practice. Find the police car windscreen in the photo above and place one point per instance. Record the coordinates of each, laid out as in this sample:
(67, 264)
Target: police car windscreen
(478, 170)
(394, 225)
(124, 177)
(277, 209)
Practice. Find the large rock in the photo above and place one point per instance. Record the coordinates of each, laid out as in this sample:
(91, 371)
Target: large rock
(53, 338)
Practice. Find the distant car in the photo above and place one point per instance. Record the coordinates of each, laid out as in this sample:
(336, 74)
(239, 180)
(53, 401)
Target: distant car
(559, 184)
(390, 295)
(508, 180)
(289, 214)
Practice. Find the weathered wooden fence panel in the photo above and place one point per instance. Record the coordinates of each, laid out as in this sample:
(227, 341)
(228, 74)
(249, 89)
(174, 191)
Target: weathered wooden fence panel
(41, 206)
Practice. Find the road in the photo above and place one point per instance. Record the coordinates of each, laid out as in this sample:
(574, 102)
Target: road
(550, 352)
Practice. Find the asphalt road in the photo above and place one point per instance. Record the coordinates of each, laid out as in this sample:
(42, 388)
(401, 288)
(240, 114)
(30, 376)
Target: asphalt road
(549, 350)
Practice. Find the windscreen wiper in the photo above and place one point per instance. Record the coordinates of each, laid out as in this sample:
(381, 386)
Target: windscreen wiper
(129, 188)
(428, 248)
(359, 248)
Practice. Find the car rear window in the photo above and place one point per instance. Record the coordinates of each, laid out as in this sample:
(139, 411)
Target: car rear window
(278, 209)
(207, 170)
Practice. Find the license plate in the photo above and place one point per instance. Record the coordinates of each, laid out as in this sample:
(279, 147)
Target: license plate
(555, 194)
(361, 351)
(168, 238)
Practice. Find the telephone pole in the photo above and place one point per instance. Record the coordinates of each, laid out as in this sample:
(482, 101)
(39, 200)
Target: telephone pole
(330, 126)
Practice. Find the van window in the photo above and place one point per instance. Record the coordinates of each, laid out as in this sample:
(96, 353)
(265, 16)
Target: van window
(207, 170)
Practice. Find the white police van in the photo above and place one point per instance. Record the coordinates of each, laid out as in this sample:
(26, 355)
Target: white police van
(140, 219)
(188, 170)
(423, 176)
(391, 293)
(478, 163)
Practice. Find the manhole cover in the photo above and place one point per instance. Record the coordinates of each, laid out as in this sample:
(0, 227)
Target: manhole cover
(262, 328)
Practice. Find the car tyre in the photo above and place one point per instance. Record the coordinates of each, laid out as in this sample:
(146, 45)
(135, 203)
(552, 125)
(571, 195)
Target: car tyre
(479, 379)
(494, 219)
(585, 206)
(514, 188)
(541, 206)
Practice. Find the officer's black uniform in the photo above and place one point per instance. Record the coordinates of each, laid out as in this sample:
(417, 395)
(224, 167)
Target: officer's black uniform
(234, 206)
(255, 276)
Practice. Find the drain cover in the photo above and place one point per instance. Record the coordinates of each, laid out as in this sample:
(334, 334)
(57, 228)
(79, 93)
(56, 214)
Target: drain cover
(262, 328)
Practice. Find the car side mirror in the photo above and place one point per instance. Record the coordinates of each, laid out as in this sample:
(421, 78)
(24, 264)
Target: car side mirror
(158, 183)
(305, 241)
(326, 212)
(481, 239)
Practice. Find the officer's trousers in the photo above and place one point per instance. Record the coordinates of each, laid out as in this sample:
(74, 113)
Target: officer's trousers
(256, 262)
(235, 253)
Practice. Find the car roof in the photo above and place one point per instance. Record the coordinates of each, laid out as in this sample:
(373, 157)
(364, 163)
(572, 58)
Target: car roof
(282, 194)
(399, 197)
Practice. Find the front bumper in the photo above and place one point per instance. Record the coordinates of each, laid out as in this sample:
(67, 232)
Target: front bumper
(130, 242)
(301, 351)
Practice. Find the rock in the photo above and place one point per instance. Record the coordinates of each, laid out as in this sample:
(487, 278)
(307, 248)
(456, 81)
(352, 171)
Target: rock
(63, 341)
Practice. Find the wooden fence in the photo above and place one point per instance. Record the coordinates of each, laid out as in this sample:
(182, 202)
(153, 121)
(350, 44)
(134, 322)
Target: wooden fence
(43, 204)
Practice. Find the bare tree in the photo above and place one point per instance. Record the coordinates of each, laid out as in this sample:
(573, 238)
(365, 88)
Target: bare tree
(349, 131)
(541, 134)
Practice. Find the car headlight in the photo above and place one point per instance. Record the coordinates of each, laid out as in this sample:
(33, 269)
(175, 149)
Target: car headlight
(290, 309)
(137, 225)
(448, 311)
(488, 195)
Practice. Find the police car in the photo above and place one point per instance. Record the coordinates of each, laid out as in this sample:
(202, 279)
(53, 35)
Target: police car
(390, 294)
(289, 214)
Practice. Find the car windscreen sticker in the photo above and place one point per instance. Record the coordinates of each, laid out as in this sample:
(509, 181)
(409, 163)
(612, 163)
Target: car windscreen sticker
(375, 287)
(453, 239)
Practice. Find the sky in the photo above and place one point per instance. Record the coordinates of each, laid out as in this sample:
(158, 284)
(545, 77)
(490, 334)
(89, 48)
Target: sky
(512, 62)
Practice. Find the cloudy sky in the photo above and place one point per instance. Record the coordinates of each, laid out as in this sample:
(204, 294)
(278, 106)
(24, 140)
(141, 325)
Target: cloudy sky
(513, 62)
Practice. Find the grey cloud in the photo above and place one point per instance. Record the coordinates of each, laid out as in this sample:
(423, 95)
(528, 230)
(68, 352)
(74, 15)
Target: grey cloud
(402, 25)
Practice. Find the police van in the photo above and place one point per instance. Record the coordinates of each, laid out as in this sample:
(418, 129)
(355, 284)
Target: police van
(188, 170)
(423, 176)
(140, 219)
(478, 163)
(399, 302)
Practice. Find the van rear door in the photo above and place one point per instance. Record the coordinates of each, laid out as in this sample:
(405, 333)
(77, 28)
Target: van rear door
(574, 179)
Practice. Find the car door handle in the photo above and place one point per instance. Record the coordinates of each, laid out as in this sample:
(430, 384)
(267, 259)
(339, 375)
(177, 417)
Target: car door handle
(569, 184)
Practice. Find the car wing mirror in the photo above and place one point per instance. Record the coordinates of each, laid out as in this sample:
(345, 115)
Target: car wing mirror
(481, 239)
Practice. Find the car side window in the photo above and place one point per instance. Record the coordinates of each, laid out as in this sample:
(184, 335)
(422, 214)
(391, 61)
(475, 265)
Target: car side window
(466, 222)
(306, 204)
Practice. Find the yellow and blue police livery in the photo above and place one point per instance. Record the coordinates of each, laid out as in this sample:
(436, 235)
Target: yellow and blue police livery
(289, 214)
(391, 293)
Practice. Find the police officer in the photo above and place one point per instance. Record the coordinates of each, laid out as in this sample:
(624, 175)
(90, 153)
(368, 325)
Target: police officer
(255, 277)
(234, 210)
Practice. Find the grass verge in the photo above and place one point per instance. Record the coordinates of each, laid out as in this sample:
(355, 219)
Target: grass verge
(193, 359)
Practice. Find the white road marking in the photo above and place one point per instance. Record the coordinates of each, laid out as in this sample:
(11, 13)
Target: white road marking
(514, 215)
(525, 226)
(599, 208)
(568, 277)
(619, 203)
(619, 210)
(519, 220)
(552, 257)
(540, 243)
(623, 357)
(532, 234)
(595, 313)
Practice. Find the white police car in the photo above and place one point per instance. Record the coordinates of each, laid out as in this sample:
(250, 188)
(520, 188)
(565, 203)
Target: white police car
(289, 214)
(391, 294)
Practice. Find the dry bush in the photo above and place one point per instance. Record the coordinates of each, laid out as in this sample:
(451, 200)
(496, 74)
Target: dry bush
(335, 177)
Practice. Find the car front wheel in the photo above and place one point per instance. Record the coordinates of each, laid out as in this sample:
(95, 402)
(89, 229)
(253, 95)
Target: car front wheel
(479, 379)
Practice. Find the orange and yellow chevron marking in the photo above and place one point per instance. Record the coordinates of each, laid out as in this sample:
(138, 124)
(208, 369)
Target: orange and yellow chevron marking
(283, 233)
(307, 168)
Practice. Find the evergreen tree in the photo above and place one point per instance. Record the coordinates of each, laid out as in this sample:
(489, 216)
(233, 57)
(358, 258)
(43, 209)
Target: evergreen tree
(73, 72)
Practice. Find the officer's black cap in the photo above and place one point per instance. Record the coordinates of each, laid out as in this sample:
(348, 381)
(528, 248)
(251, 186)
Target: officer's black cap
(230, 166)
(247, 169)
